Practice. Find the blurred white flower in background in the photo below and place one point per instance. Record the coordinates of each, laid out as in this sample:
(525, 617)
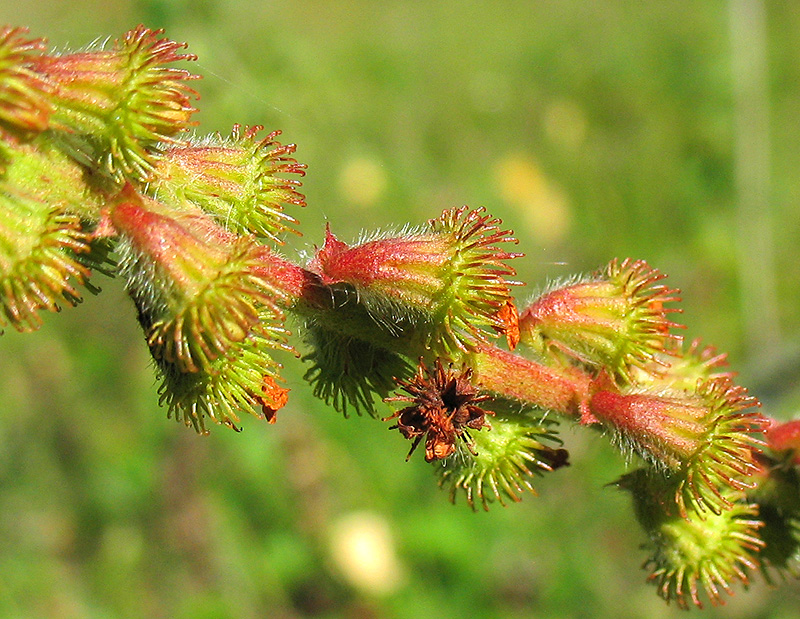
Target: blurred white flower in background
(363, 550)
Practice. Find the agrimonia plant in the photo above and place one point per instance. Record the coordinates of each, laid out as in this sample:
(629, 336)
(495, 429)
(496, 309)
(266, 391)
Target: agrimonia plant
(99, 174)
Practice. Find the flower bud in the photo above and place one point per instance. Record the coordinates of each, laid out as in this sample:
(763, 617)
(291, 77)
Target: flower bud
(200, 290)
(695, 550)
(705, 439)
(24, 102)
(615, 320)
(118, 105)
(237, 180)
(44, 249)
(206, 299)
(445, 283)
(207, 303)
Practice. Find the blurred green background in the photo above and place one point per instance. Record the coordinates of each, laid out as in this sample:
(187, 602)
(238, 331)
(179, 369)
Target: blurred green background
(660, 130)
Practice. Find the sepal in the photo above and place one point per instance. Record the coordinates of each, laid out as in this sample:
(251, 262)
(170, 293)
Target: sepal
(348, 373)
(486, 456)
(500, 464)
(241, 382)
(777, 495)
(38, 264)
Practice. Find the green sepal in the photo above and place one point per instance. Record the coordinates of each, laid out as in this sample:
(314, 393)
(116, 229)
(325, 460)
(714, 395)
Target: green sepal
(500, 462)
(38, 267)
(778, 498)
(351, 374)
(230, 386)
(697, 550)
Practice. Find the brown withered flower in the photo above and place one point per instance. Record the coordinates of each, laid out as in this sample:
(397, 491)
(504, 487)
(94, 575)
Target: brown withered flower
(444, 407)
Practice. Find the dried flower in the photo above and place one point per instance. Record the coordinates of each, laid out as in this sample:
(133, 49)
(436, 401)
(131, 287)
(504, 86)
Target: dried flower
(445, 406)
(510, 317)
(274, 397)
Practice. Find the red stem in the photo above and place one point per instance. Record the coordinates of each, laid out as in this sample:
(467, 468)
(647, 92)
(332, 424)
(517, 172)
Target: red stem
(564, 390)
